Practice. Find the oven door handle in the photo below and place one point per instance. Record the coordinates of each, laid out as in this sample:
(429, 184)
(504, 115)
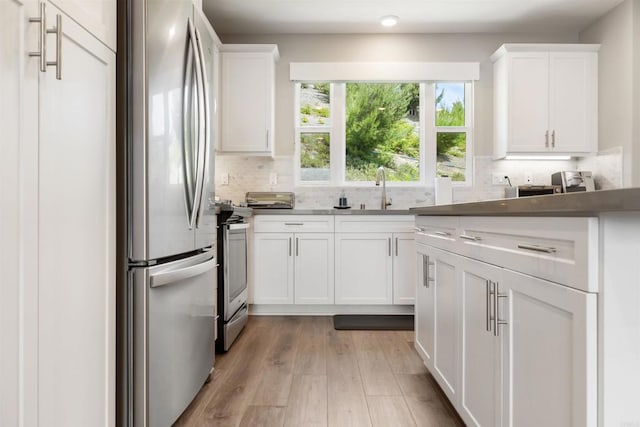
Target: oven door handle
(241, 226)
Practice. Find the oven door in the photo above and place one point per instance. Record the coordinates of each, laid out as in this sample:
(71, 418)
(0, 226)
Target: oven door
(235, 268)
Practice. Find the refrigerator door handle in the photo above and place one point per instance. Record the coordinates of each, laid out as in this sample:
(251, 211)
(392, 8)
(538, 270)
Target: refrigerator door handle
(203, 163)
(175, 276)
(201, 124)
(187, 116)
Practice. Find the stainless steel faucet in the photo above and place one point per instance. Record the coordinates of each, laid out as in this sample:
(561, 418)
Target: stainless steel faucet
(381, 176)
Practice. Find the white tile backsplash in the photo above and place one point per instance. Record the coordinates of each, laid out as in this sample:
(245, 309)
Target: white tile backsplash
(247, 173)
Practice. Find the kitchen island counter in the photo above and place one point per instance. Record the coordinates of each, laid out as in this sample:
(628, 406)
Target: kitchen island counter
(257, 211)
(572, 204)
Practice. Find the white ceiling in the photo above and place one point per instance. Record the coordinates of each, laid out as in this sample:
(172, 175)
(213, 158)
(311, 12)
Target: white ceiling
(416, 16)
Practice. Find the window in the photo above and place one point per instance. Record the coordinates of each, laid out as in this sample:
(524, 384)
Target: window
(417, 131)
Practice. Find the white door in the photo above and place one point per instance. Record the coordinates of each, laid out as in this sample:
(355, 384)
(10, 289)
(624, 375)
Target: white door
(404, 268)
(76, 224)
(273, 268)
(549, 353)
(424, 310)
(314, 276)
(18, 215)
(480, 381)
(446, 349)
(573, 101)
(246, 93)
(97, 16)
(363, 268)
(528, 101)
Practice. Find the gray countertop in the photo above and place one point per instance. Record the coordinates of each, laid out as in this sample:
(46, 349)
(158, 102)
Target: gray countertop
(571, 204)
(331, 212)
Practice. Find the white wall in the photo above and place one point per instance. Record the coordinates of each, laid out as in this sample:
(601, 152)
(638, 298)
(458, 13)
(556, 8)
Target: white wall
(618, 84)
(390, 47)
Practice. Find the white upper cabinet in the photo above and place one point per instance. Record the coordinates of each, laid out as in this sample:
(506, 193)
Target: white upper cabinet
(248, 94)
(545, 99)
(96, 16)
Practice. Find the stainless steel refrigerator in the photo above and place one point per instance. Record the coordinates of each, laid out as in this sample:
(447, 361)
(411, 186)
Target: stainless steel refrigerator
(170, 291)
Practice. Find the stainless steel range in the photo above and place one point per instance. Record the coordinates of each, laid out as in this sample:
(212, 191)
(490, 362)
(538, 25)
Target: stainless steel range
(232, 277)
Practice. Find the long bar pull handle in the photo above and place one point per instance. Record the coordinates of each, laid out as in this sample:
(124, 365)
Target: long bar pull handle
(57, 30)
(442, 233)
(267, 139)
(294, 223)
(488, 294)
(546, 139)
(297, 246)
(472, 238)
(396, 246)
(42, 39)
(425, 270)
(496, 310)
(553, 139)
(537, 248)
(289, 246)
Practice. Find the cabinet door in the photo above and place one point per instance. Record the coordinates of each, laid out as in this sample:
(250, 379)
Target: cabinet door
(97, 16)
(273, 268)
(480, 381)
(404, 268)
(363, 268)
(247, 93)
(549, 353)
(424, 309)
(573, 102)
(446, 314)
(76, 224)
(314, 276)
(528, 99)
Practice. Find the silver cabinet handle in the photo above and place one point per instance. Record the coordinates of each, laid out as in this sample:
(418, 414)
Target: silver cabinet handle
(546, 139)
(488, 296)
(297, 246)
(289, 246)
(42, 41)
(553, 138)
(175, 276)
(537, 248)
(472, 238)
(442, 233)
(267, 138)
(496, 310)
(294, 223)
(396, 246)
(389, 246)
(425, 270)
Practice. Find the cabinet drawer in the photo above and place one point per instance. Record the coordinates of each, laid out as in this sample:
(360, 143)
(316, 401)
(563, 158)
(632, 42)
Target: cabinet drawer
(438, 231)
(375, 224)
(562, 250)
(293, 223)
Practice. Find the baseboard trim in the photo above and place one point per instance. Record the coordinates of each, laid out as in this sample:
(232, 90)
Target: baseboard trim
(326, 310)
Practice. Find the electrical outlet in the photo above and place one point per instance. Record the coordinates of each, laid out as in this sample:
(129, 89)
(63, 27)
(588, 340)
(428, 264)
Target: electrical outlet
(273, 178)
(498, 178)
(224, 178)
(528, 177)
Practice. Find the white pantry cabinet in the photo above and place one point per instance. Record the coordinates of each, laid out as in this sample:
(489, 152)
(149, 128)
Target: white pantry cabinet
(545, 99)
(293, 260)
(98, 17)
(248, 99)
(61, 245)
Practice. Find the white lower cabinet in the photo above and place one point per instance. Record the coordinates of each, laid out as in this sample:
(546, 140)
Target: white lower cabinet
(549, 353)
(508, 349)
(404, 268)
(293, 268)
(364, 268)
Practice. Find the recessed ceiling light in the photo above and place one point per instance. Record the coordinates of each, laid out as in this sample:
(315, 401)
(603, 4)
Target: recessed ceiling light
(389, 20)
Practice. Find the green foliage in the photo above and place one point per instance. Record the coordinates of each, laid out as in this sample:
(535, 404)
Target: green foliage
(315, 150)
(453, 116)
(452, 143)
(322, 88)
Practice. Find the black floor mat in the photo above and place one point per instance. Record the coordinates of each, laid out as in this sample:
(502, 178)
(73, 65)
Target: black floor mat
(386, 322)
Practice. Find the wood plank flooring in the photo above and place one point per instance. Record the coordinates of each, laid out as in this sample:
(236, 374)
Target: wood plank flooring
(299, 371)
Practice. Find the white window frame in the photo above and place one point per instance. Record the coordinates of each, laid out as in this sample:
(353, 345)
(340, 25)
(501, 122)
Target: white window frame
(427, 135)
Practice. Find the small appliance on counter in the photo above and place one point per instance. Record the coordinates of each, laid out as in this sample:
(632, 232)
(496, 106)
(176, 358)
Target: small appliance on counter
(531, 190)
(270, 200)
(573, 181)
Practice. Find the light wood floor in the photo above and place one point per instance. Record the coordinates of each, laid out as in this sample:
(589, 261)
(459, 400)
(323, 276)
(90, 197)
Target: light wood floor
(299, 371)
